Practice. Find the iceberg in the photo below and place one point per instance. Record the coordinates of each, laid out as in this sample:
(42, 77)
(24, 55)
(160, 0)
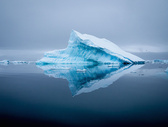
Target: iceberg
(18, 62)
(158, 61)
(166, 70)
(85, 79)
(4, 62)
(88, 49)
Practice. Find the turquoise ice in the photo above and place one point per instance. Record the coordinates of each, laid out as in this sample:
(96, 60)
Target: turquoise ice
(88, 49)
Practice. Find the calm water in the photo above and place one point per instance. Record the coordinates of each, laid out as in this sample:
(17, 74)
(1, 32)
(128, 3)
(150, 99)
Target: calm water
(33, 95)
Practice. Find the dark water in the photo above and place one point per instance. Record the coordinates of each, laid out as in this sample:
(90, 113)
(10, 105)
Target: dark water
(100, 96)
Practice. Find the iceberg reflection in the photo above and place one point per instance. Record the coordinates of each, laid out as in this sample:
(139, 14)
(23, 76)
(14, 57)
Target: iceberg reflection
(85, 78)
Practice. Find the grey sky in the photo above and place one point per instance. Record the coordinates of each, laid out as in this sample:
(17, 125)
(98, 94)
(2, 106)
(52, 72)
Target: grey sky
(135, 25)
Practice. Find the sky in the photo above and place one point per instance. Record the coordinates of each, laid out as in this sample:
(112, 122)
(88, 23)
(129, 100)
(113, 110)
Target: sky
(134, 25)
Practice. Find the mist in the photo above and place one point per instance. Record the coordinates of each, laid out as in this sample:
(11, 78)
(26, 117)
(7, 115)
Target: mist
(134, 25)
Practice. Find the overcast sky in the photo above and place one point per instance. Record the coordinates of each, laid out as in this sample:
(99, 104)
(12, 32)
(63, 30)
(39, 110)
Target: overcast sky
(134, 25)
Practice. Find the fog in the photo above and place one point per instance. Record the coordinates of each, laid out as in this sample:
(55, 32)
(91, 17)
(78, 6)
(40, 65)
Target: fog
(134, 25)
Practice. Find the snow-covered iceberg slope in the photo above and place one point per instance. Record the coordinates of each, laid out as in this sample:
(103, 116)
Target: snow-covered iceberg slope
(88, 49)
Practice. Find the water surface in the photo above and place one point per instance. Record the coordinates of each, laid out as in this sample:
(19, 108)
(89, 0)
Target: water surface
(101, 96)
